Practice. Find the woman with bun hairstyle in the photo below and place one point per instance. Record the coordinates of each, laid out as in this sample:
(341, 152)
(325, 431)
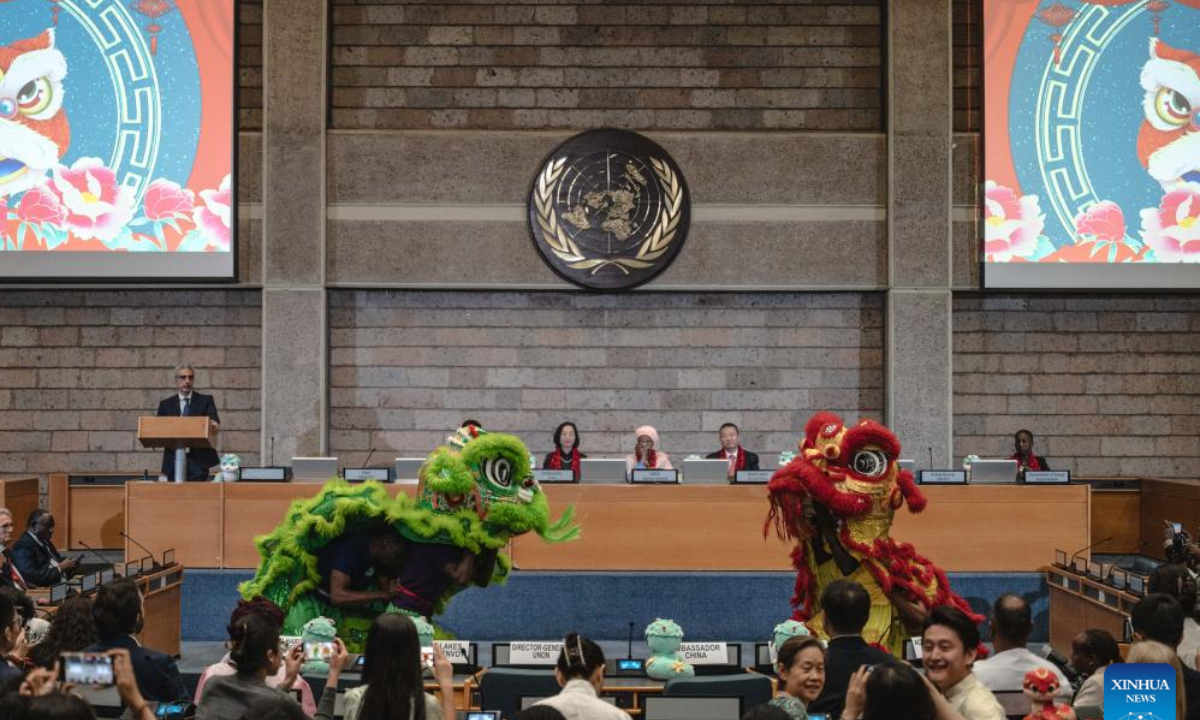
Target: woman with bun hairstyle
(580, 672)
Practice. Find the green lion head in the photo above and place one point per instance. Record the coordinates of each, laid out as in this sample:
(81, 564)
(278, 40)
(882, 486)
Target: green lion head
(489, 475)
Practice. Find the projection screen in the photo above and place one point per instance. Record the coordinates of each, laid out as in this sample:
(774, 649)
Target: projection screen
(1091, 144)
(117, 140)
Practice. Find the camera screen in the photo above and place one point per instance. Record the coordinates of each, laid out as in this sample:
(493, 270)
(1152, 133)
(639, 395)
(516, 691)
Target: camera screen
(87, 669)
(170, 710)
(319, 651)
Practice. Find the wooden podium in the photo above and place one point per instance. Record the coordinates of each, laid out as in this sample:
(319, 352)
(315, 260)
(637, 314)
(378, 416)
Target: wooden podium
(179, 433)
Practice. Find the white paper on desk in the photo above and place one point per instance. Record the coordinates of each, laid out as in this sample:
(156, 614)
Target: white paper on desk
(705, 653)
(524, 652)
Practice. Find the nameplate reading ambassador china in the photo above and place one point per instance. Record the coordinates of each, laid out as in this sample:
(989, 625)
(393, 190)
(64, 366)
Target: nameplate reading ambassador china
(609, 209)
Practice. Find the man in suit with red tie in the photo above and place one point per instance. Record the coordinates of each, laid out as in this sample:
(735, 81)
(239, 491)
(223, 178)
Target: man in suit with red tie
(732, 450)
(188, 403)
(9, 575)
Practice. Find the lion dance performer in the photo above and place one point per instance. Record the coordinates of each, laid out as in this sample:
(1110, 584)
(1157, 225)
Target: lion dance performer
(353, 552)
(836, 499)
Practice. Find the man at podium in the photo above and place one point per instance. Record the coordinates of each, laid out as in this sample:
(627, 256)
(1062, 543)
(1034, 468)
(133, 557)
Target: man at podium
(188, 403)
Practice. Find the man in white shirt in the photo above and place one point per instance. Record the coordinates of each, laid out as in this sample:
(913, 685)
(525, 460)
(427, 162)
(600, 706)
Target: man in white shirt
(1012, 623)
(949, 645)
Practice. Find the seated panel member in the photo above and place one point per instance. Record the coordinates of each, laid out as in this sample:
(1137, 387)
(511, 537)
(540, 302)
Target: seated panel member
(36, 557)
(187, 403)
(1024, 455)
(732, 450)
(645, 455)
(9, 575)
(566, 452)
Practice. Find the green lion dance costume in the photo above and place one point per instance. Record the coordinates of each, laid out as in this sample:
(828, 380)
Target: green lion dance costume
(474, 495)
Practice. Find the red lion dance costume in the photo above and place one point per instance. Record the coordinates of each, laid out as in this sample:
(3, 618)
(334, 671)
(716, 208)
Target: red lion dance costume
(837, 500)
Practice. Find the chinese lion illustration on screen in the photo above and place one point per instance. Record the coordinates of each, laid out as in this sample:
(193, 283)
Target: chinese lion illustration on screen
(475, 494)
(1117, 92)
(34, 130)
(836, 500)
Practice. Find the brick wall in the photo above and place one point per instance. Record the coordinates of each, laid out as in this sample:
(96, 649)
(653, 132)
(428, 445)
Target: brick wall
(77, 368)
(406, 368)
(968, 68)
(802, 65)
(1109, 385)
(250, 64)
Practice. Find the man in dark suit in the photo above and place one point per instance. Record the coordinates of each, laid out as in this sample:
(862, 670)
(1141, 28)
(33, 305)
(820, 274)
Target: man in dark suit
(186, 403)
(847, 605)
(731, 450)
(35, 555)
(9, 576)
(117, 612)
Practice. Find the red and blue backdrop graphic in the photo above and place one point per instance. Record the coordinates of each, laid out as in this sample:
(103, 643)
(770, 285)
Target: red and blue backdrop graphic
(116, 126)
(1140, 691)
(1092, 131)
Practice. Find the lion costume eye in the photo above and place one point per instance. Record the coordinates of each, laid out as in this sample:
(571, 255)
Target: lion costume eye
(870, 463)
(498, 471)
(1172, 107)
(35, 96)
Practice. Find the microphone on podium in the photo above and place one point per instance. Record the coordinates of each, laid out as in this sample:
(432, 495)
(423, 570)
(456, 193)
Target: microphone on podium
(153, 560)
(93, 551)
(931, 457)
(368, 460)
(1089, 547)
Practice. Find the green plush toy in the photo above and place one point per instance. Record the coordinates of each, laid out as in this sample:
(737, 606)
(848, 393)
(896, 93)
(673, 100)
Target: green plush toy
(476, 493)
(787, 630)
(320, 632)
(665, 661)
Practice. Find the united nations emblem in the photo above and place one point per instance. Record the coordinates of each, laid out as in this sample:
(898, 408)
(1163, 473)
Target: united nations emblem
(609, 209)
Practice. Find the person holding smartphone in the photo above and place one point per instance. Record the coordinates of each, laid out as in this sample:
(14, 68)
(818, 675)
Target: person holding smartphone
(392, 676)
(42, 694)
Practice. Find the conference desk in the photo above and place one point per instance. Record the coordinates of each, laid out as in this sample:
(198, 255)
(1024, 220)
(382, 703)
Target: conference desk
(1079, 603)
(20, 495)
(89, 508)
(161, 595)
(984, 528)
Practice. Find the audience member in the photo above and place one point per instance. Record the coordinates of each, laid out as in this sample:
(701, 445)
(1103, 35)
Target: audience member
(392, 679)
(23, 603)
(9, 575)
(645, 455)
(117, 612)
(1176, 580)
(731, 450)
(256, 653)
(1091, 652)
(41, 698)
(801, 669)
(1149, 651)
(1012, 623)
(847, 606)
(1159, 617)
(1024, 455)
(949, 647)
(271, 611)
(566, 454)
(12, 640)
(580, 672)
(759, 712)
(71, 630)
(893, 690)
(36, 557)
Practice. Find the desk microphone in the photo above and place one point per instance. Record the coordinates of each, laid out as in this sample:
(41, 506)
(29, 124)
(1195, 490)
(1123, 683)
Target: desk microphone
(630, 655)
(1071, 564)
(1135, 551)
(143, 547)
(368, 460)
(271, 462)
(931, 457)
(92, 550)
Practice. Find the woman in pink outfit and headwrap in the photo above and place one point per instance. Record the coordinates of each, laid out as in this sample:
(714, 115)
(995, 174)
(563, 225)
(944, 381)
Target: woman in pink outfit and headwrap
(645, 456)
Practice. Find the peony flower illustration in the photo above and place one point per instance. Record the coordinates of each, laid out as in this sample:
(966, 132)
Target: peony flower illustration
(1103, 221)
(97, 207)
(40, 206)
(1011, 223)
(166, 200)
(213, 218)
(1172, 229)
